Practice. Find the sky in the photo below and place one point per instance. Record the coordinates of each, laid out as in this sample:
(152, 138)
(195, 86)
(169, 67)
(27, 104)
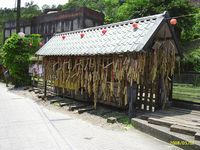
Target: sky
(40, 3)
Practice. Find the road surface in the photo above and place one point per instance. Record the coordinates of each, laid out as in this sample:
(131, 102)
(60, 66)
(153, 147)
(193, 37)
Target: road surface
(24, 125)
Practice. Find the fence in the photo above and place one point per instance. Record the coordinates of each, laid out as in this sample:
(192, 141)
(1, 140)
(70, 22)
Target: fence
(186, 87)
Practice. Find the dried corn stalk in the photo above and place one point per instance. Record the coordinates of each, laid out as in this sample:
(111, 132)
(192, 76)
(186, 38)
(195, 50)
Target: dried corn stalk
(96, 73)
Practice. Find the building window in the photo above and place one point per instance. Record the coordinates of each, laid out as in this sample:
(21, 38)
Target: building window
(88, 23)
(21, 29)
(13, 24)
(39, 29)
(28, 30)
(52, 28)
(7, 33)
(58, 26)
(47, 28)
(44, 28)
(66, 26)
(13, 31)
(7, 25)
(75, 24)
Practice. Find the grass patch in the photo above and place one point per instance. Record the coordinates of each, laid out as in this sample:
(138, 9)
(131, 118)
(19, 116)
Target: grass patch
(186, 92)
(125, 121)
(121, 118)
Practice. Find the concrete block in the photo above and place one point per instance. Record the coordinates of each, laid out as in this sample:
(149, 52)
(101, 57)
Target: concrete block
(197, 136)
(112, 120)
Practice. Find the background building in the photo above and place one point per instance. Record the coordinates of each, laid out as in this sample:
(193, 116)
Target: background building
(56, 21)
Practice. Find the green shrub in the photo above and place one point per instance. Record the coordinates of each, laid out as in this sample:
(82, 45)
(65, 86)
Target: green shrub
(16, 53)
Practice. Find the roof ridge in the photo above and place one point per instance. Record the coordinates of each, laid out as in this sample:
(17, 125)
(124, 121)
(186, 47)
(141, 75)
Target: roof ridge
(114, 24)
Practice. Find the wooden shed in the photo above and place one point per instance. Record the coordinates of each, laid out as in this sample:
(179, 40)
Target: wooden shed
(124, 64)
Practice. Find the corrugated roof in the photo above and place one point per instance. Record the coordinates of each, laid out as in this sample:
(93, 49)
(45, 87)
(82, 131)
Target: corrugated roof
(120, 37)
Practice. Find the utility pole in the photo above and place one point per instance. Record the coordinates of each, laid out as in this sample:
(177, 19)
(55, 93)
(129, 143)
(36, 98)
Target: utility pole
(18, 16)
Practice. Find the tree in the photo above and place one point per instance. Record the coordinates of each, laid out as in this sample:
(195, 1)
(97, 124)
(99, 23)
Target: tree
(108, 7)
(30, 10)
(16, 55)
(6, 15)
(138, 8)
(117, 10)
(196, 27)
(45, 6)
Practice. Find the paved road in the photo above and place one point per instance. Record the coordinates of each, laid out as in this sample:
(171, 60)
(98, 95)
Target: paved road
(26, 126)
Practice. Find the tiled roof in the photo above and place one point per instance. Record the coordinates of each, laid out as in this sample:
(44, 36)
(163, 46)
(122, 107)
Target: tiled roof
(120, 37)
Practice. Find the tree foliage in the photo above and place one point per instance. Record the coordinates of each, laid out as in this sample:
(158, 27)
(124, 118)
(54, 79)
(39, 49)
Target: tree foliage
(191, 61)
(139, 8)
(7, 14)
(115, 11)
(30, 10)
(187, 29)
(16, 54)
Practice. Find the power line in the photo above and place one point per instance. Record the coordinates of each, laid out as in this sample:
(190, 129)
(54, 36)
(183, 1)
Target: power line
(188, 15)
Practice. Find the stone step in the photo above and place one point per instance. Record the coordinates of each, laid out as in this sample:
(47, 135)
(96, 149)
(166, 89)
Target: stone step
(82, 110)
(26, 88)
(73, 107)
(164, 133)
(183, 129)
(144, 117)
(40, 96)
(160, 122)
(63, 103)
(30, 90)
(187, 121)
(40, 92)
(37, 91)
(54, 101)
(197, 136)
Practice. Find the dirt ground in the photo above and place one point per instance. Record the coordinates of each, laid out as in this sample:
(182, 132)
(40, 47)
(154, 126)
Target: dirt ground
(97, 117)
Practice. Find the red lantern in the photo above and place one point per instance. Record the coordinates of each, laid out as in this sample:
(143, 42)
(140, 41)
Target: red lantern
(104, 31)
(173, 22)
(135, 25)
(82, 35)
(63, 37)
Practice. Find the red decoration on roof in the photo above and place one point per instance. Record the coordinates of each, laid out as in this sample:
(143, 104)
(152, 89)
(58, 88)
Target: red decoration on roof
(173, 22)
(82, 35)
(135, 25)
(63, 37)
(104, 31)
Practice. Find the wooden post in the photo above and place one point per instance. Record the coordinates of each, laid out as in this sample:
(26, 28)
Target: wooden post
(159, 97)
(18, 16)
(37, 70)
(171, 88)
(44, 78)
(132, 95)
(45, 88)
